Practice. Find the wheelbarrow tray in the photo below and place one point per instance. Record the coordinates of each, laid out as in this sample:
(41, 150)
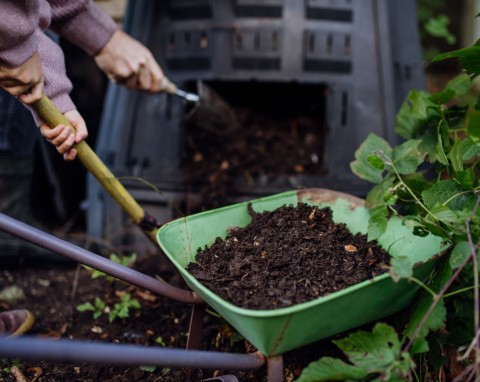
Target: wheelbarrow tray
(279, 330)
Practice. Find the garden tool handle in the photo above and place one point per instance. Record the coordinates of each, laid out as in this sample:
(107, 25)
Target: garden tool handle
(53, 117)
(168, 86)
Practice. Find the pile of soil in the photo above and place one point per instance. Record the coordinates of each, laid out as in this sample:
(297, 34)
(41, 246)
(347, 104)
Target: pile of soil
(285, 257)
(267, 144)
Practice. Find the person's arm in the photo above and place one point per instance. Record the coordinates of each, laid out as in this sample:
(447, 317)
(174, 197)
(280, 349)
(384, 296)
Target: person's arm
(122, 58)
(21, 72)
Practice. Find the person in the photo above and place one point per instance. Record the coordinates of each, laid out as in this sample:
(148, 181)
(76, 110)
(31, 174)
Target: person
(32, 64)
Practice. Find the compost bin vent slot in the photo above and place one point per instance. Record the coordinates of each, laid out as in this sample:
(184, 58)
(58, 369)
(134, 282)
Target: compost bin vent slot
(331, 10)
(344, 109)
(257, 49)
(188, 49)
(190, 10)
(327, 51)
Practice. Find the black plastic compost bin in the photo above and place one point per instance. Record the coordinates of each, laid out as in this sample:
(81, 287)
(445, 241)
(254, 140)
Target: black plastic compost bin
(359, 58)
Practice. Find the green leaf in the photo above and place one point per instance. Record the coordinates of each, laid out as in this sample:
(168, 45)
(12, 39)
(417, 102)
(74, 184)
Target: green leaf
(466, 178)
(401, 268)
(473, 125)
(459, 253)
(376, 162)
(468, 148)
(377, 223)
(380, 193)
(458, 86)
(456, 156)
(87, 306)
(374, 350)
(469, 58)
(438, 27)
(437, 320)
(331, 369)
(439, 148)
(361, 166)
(420, 346)
(443, 191)
(413, 114)
(407, 157)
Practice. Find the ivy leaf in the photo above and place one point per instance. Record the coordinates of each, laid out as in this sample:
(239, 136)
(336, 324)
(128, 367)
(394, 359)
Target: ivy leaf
(331, 369)
(443, 191)
(361, 166)
(407, 157)
(459, 253)
(401, 268)
(377, 224)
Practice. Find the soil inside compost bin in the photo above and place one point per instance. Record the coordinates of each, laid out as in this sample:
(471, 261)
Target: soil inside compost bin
(287, 256)
(280, 136)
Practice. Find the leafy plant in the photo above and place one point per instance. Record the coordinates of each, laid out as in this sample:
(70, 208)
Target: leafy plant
(431, 179)
(126, 261)
(375, 354)
(97, 307)
(122, 309)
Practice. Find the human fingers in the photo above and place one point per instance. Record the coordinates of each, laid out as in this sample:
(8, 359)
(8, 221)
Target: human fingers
(33, 94)
(58, 135)
(78, 123)
(21, 79)
(156, 74)
(70, 154)
(144, 79)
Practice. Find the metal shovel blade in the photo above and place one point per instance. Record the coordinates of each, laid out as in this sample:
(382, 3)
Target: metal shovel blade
(212, 112)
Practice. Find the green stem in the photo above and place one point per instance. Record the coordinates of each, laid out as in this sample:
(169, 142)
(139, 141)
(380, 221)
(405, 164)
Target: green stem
(458, 291)
(417, 281)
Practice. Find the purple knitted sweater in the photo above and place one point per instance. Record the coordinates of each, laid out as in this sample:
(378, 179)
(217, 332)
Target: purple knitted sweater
(22, 23)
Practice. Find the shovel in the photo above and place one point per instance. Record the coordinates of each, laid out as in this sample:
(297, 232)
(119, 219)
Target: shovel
(210, 110)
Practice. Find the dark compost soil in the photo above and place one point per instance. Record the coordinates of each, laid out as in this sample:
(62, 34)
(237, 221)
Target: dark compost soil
(271, 141)
(286, 257)
(280, 247)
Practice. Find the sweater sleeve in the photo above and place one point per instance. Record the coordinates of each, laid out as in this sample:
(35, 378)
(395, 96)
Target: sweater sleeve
(83, 23)
(18, 21)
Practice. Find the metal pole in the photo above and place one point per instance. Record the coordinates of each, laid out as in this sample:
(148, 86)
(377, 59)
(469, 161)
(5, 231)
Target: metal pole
(26, 348)
(81, 255)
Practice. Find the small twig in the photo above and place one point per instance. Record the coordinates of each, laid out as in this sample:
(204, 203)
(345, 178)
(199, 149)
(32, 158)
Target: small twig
(470, 348)
(18, 374)
(74, 289)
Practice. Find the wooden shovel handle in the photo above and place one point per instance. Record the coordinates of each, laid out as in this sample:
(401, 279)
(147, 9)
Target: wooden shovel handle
(53, 117)
(167, 86)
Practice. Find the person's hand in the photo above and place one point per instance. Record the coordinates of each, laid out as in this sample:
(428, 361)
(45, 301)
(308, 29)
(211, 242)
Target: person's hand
(128, 62)
(63, 138)
(24, 81)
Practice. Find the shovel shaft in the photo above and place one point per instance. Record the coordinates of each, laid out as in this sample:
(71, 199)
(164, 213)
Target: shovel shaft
(53, 117)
